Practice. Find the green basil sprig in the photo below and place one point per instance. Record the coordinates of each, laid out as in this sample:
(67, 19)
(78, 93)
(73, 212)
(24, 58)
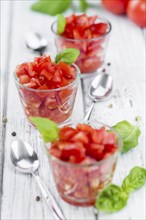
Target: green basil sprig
(61, 24)
(134, 180)
(128, 133)
(67, 56)
(114, 198)
(54, 7)
(48, 129)
(51, 7)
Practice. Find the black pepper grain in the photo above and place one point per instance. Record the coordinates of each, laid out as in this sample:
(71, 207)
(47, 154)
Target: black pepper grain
(108, 64)
(13, 134)
(104, 70)
(37, 198)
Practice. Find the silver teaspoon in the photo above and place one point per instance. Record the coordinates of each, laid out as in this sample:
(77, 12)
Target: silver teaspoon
(26, 160)
(35, 42)
(100, 90)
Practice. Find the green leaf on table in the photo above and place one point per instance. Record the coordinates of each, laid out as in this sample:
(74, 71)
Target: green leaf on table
(135, 179)
(111, 199)
(68, 56)
(51, 7)
(83, 5)
(47, 128)
(128, 133)
(61, 24)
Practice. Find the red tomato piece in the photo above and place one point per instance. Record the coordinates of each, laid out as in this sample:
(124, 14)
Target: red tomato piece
(137, 12)
(57, 77)
(31, 85)
(82, 21)
(92, 19)
(111, 148)
(67, 71)
(66, 133)
(80, 137)
(116, 7)
(55, 152)
(23, 79)
(98, 29)
(97, 136)
(72, 151)
(95, 151)
(48, 75)
(84, 127)
(109, 138)
(42, 94)
(21, 69)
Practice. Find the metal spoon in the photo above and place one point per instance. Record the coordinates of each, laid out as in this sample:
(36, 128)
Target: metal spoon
(100, 90)
(36, 43)
(25, 160)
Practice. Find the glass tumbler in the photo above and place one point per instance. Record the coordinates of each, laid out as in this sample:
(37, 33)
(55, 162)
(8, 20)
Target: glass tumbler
(79, 184)
(92, 50)
(55, 104)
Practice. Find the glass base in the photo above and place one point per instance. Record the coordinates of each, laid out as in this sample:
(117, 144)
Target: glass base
(86, 202)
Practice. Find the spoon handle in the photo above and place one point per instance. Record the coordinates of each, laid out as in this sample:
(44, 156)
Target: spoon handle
(89, 112)
(56, 211)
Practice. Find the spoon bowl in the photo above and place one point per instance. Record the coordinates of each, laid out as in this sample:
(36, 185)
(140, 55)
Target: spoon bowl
(36, 43)
(24, 157)
(100, 89)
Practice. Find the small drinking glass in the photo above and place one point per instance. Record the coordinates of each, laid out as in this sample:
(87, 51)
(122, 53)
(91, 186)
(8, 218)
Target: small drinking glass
(92, 50)
(79, 184)
(55, 104)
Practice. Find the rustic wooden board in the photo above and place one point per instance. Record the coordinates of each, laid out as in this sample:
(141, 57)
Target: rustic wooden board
(126, 54)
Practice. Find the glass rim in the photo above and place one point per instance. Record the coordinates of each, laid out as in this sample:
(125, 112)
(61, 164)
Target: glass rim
(84, 40)
(50, 90)
(97, 163)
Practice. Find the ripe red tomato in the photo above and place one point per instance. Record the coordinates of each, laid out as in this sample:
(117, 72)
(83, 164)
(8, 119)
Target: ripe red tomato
(137, 12)
(115, 6)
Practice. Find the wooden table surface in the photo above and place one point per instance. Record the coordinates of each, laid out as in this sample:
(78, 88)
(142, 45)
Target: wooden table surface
(127, 56)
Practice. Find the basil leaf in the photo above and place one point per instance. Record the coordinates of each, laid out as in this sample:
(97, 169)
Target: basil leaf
(68, 56)
(128, 133)
(83, 5)
(111, 199)
(61, 23)
(48, 129)
(51, 7)
(135, 179)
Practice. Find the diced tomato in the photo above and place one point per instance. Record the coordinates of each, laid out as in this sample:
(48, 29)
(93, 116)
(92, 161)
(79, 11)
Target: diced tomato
(97, 135)
(80, 137)
(42, 94)
(23, 79)
(57, 77)
(84, 127)
(55, 152)
(36, 80)
(82, 20)
(21, 69)
(89, 65)
(66, 133)
(31, 85)
(110, 148)
(47, 74)
(109, 138)
(98, 29)
(95, 151)
(92, 19)
(72, 150)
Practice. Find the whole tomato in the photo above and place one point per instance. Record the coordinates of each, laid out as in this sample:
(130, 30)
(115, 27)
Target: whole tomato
(115, 6)
(136, 11)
